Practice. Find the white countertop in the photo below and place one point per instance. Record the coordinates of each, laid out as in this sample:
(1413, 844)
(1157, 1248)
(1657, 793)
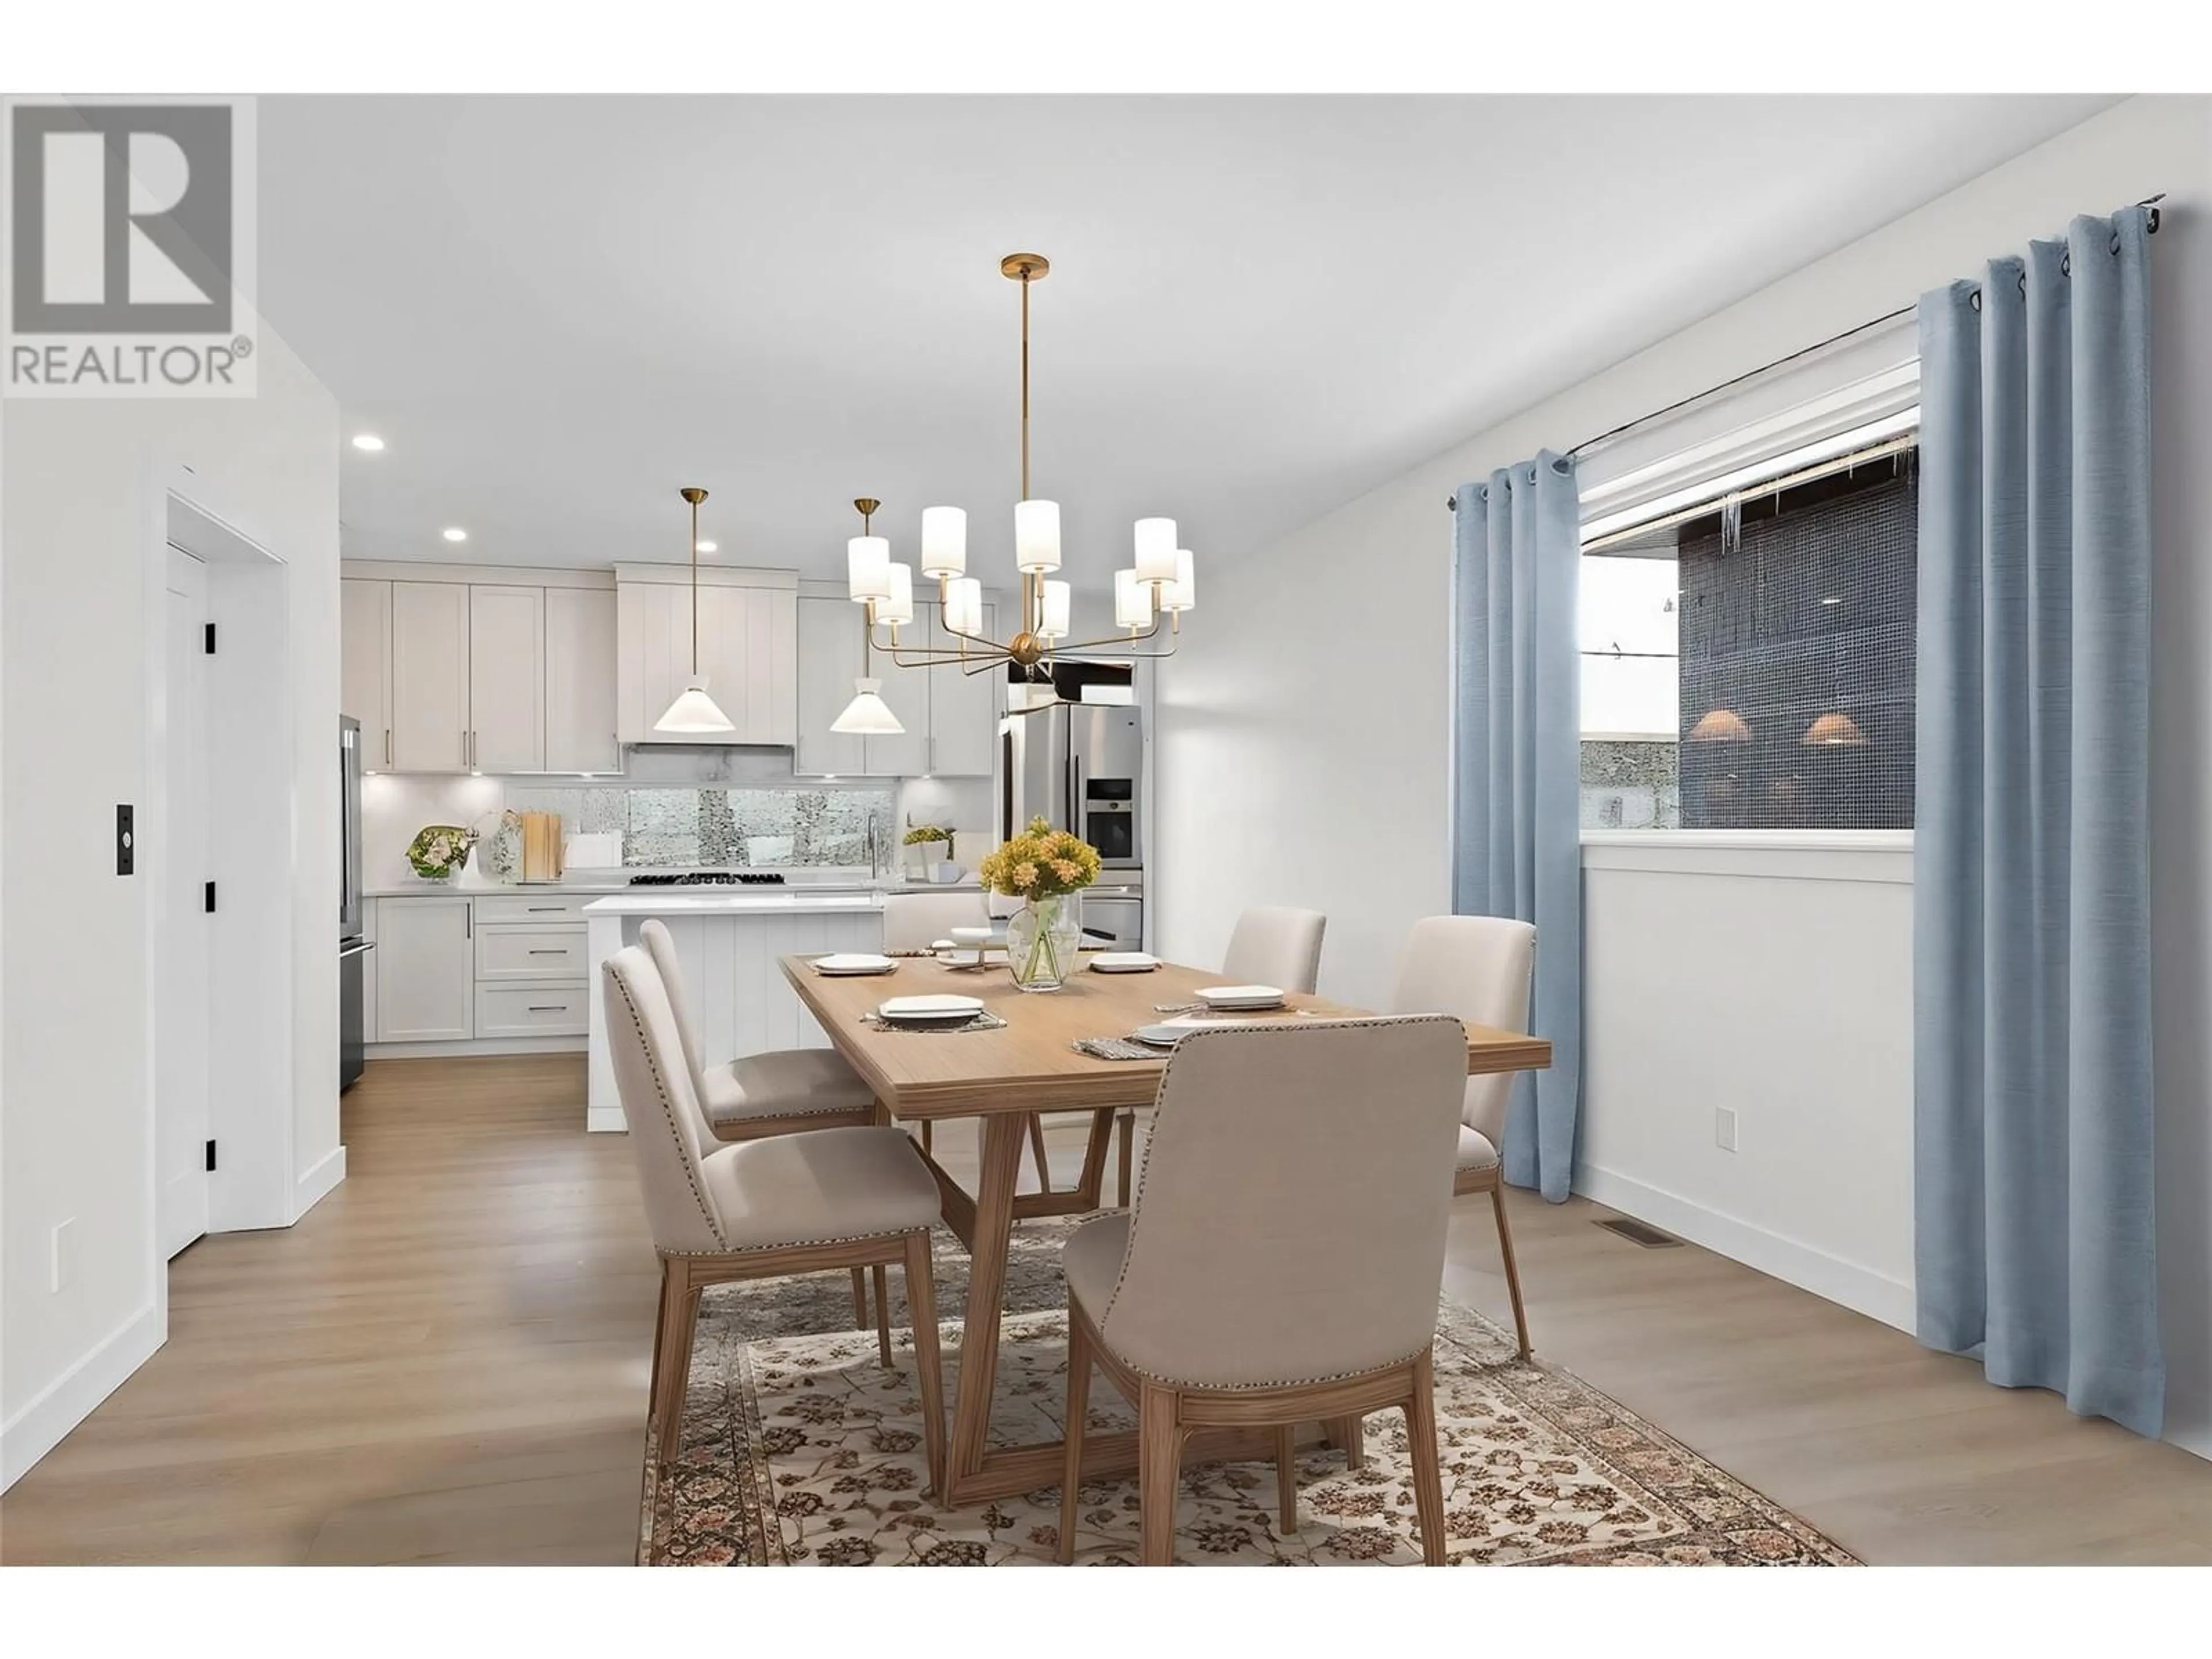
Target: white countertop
(617, 881)
(696, 902)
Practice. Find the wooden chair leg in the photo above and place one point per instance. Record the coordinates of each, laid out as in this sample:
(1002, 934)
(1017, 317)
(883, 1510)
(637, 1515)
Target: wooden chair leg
(1128, 1132)
(1512, 1272)
(1078, 1405)
(883, 1315)
(1159, 1457)
(1037, 1152)
(1286, 1476)
(1428, 1470)
(929, 1366)
(860, 1298)
(679, 1315)
(1345, 1433)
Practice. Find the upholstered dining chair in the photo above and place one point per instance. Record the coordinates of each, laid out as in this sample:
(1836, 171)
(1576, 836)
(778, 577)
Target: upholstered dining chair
(1271, 945)
(1260, 1295)
(915, 921)
(802, 1202)
(1479, 968)
(771, 1093)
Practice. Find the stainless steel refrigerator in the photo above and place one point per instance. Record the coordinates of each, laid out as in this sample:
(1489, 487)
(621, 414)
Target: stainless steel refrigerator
(1081, 767)
(353, 949)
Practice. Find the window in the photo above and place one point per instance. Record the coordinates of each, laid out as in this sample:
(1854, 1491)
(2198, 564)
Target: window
(1748, 660)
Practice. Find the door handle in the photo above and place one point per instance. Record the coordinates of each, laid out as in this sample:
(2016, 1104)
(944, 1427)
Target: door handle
(357, 948)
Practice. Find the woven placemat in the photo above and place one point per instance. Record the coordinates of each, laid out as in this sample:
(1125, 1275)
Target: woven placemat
(986, 1021)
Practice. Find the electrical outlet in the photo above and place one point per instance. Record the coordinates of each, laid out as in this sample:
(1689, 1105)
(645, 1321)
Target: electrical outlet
(64, 1251)
(1724, 1129)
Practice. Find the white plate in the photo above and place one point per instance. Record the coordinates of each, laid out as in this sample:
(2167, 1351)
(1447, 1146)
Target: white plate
(1240, 996)
(1123, 962)
(854, 961)
(1162, 1036)
(929, 1010)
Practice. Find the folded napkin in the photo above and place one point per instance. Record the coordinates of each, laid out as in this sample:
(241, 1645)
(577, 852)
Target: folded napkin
(1116, 1049)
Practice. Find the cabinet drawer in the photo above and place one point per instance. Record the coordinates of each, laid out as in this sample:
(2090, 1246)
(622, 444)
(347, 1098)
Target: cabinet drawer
(504, 1011)
(556, 953)
(497, 908)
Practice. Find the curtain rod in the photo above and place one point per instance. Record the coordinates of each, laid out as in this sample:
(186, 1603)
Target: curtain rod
(1680, 403)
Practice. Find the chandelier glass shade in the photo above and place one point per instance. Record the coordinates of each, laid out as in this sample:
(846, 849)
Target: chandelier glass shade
(1150, 593)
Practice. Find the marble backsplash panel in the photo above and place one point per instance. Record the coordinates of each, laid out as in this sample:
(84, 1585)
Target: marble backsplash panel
(683, 828)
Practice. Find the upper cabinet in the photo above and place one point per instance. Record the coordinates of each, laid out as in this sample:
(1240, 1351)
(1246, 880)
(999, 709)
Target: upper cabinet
(429, 676)
(963, 708)
(951, 717)
(365, 666)
(579, 681)
(506, 679)
(501, 678)
(747, 642)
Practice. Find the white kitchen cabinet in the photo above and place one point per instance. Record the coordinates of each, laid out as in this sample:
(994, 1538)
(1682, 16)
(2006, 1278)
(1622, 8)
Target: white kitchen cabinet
(748, 650)
(908, 693)
(429, 676)
(579, 681)
(425, 969)
(365, 666)
(829, 661)
(506, 679)
(963, 708)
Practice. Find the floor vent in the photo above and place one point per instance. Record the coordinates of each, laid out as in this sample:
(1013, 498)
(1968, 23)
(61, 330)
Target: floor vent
(1638, 1232)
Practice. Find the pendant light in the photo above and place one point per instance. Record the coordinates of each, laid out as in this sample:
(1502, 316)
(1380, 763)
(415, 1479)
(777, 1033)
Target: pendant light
(694, 714)
(885, 593)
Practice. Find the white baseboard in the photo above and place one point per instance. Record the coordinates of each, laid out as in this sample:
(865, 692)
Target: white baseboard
(1858, 1288)
(602, 1120)
(66, 1402)
(310, 1188)
(475, 1048)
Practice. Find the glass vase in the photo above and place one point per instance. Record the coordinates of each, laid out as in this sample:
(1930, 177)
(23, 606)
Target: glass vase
(1041, 941)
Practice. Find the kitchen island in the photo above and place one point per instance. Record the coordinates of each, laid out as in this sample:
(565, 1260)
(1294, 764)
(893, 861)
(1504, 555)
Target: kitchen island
(730, 943)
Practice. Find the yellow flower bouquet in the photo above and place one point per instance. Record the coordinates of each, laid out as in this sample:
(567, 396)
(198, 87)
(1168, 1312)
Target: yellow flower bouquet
(1046, 869)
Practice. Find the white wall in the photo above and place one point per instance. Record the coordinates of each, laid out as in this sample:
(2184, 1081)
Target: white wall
(1303, 756)
(81, 490)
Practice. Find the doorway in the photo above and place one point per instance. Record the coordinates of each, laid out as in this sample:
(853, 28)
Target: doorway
(182, 1004)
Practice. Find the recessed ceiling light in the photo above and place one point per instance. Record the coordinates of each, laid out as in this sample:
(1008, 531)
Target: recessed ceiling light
(705, 547)
(455, 533)
(367, 441)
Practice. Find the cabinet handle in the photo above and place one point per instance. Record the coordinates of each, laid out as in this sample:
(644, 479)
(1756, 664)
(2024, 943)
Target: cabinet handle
(387, 746)
(551, 951)
(535, 908)
(548, 1008)
(468, 920)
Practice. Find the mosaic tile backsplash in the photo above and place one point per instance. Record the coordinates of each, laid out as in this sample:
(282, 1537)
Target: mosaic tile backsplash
(706, 828)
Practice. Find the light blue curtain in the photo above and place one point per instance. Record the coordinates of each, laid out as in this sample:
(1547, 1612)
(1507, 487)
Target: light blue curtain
(1516, 769)
(2032, 1035)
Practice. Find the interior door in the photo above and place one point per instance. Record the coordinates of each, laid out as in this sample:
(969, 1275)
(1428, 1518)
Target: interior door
(181, 1007)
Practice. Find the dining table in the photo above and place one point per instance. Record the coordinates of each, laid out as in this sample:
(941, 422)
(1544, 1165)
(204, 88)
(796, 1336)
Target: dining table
(1007, 1076)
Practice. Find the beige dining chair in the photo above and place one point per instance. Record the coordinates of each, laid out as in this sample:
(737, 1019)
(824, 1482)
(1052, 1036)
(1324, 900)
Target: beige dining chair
(1271, 945)
(775, 1092)
(1477, 968)
(1258, 1295)
(915, 921)
(803, 1202)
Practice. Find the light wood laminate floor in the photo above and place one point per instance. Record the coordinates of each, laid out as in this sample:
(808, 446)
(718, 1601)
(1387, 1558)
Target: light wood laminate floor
(446, 1361)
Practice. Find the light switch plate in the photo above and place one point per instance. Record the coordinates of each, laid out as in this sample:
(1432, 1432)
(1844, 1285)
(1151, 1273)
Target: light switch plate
(1724, 1129)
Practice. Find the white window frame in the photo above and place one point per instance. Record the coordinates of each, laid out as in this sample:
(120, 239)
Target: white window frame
(1827, 403)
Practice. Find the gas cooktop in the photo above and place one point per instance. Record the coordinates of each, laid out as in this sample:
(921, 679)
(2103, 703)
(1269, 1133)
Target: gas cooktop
(712, 878)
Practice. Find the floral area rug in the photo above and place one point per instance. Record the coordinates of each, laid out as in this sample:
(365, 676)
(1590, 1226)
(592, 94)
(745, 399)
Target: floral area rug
(799, 1448)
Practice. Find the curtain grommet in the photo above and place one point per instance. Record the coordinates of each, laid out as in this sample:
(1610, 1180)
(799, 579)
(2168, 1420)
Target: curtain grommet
(1974, 299)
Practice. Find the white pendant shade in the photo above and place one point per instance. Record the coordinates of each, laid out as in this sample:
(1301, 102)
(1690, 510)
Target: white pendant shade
(1156, 549)
(868, 567)
(899, 608)
(1054, 623)
(1182, 593)
(694, 713)
(1133, 601)
(963, 605)
(944, 541)
(868, 715)
(1036, 535)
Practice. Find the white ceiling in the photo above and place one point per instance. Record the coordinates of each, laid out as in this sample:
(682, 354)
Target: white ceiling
(555, 311)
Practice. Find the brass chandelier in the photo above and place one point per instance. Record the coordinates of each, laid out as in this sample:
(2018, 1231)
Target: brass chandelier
(1153, 591)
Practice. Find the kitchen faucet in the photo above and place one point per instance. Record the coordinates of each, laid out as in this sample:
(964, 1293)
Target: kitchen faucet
(875, 849)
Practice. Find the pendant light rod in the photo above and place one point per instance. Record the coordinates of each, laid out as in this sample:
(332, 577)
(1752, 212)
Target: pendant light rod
(694, 495)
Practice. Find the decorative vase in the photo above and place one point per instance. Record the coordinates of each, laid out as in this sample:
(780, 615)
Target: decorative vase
(1041, 938)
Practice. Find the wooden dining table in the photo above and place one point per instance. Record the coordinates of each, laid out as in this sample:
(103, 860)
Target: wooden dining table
(1007, 1078)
